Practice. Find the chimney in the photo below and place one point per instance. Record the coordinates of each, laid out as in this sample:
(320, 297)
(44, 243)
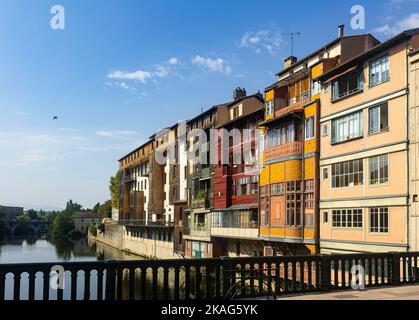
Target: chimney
(288, 62)
(341, 31)
(239, 93)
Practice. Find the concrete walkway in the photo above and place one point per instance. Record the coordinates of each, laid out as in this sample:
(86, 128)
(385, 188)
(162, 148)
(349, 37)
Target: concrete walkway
(407, 292)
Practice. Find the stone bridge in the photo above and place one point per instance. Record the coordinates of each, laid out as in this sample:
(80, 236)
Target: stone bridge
(35, 227)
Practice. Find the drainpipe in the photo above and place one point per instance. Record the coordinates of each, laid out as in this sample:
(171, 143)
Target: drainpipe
(408, 148)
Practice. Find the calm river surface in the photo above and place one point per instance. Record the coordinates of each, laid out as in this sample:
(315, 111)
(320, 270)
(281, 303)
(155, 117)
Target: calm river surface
(42, 250)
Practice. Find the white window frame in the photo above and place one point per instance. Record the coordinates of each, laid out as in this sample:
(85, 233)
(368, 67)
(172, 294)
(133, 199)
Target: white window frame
(377, 160)
(269, 108)
(309, 128)
(348, 127)
(379, 68)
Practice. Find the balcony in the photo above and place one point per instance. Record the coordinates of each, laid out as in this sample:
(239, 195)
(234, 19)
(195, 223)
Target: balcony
(294, 107)
(288, 149)
(205, 172)
(200, 230)
(201, 203)
(236, 224)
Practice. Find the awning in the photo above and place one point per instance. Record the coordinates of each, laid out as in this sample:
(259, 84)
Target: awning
(342, 73)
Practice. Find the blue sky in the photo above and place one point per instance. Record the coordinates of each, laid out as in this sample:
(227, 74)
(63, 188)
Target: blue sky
(122, 70)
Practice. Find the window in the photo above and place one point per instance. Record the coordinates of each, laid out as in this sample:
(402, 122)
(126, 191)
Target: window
(325, 217)
(236, 112)
(347, 84)
(325, 174)
(315, 87)
(378, 169)
(379, 220)
(310, 128)
(269, 108)
(347, 218)
(325, 130)
(348, 174)
(379, 70)
(378, 118)
(174, 194)
(347, 128)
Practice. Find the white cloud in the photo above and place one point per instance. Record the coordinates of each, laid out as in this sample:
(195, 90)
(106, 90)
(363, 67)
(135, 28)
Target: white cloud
(173, 61)
(409, 22)
(117, 134)
(212, 65)
(140, 75)
(269, 40)
(21, 113)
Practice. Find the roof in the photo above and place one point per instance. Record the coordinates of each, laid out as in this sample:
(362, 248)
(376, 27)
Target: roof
(243, 117)
(369, 53)
(328, 45)
(135, 150)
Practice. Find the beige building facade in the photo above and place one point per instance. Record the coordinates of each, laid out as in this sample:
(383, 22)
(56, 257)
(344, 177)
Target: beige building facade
(367, 193)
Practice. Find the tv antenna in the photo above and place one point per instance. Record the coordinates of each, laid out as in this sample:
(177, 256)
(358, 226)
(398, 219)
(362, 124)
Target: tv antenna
(292, 34)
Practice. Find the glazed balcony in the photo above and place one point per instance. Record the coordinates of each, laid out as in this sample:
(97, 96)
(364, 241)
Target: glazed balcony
(293, 107)
(284, 150)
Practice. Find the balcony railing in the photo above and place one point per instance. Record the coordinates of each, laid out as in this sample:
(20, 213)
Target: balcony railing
(150, 223)
(297, 106)
(220, 278)
(288, 149)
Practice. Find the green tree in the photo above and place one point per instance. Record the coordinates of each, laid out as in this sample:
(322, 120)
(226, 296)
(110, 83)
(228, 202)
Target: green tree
(96, 208)
(106, 209)
(73, 207)
(114, 189)
(2, 225)
(63, 224)
(23, 218)
(32, 214)
(93, 229)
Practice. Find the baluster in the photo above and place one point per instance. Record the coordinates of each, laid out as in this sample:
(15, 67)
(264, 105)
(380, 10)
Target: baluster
(73, 285)
(269, 275)
(252, 279)
(370, 262)
(110, 280)
(411, 269)
(187, 282)
(376, 272)
(286, 266)
(294, 276)
(277, 278)
(155, 274)
(260, 277)
(166, 283)
(100, 284)
(198, 282)
(144, 283)
(131, 283)
(404, 277)
(383, 270)
(416, 268)
(31, 285)
(16, 286)
(336, 273)
(87, 275)
(302, 271)
(218, 282)
(119, 276)
(309, 275)
(177, 294)
(208, 271)
(343, 271)
(243, 279)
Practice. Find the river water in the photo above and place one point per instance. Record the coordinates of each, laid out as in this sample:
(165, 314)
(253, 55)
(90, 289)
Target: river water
(43, 250)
